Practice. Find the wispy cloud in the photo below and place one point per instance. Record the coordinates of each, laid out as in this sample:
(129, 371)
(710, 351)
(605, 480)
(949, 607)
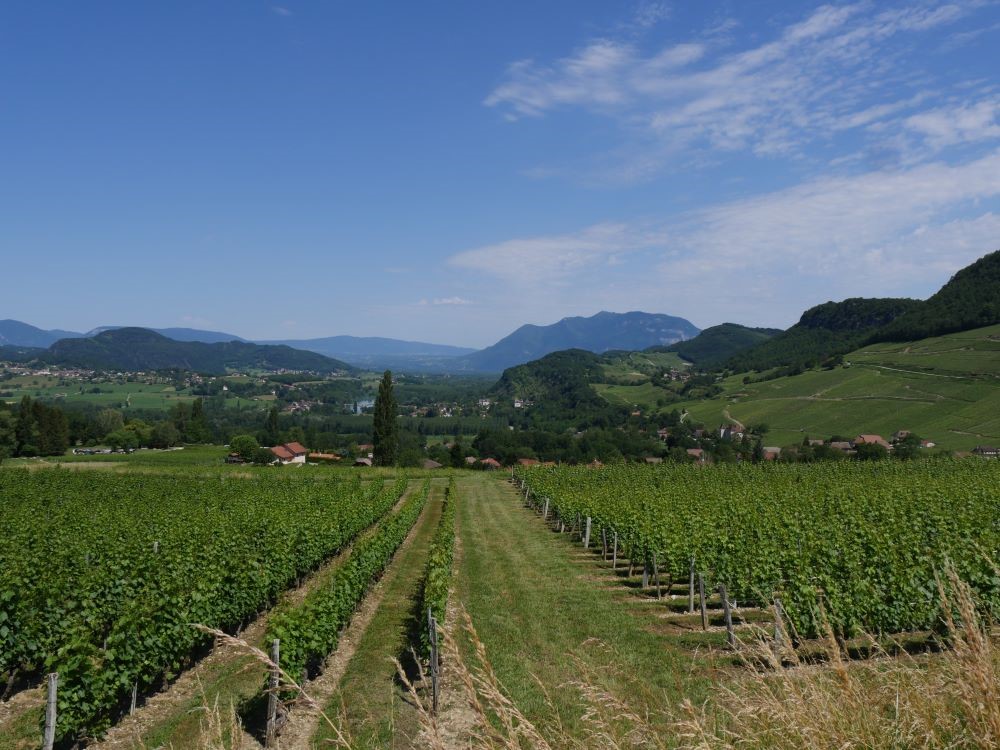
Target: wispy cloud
(840, 68)
(550, 258)
(883, 232)
(281, 10)
(964, 123)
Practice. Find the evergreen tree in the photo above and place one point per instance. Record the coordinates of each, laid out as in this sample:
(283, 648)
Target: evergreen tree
(8, 439)
(271, 427)
(386, 432)
(457, 456)
(197, 428)
(26, 429)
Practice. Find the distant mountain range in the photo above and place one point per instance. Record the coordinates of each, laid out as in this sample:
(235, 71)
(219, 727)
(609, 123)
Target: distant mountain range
(16, 333)
(599, 333)
(131, 349)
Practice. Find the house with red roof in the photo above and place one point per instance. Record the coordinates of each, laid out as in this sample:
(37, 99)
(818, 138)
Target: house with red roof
(872, 440)
(289, 453)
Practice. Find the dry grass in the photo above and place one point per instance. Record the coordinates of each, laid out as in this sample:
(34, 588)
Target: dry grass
(945, 700)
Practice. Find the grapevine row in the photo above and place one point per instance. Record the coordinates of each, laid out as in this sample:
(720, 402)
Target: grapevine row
(311, 630)
(863, 543)
(437, 575)
(102, 575)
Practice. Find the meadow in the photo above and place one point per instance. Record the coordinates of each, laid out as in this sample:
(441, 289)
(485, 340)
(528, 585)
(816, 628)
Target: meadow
(946, 390)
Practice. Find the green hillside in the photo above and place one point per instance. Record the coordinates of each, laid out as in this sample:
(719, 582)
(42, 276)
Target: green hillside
(713, 346)
(823, 333)
(971, 299)
(946, 389)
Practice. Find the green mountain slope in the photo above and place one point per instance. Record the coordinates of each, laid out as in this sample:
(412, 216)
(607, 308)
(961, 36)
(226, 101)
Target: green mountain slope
(713, 346)
(946, 389)
(969, 300)
(142, 349)
(823, 333)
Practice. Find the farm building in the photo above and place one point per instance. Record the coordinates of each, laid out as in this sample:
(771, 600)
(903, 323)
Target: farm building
(289, 453)
(872, 440)
(731, 431)
(323, 457)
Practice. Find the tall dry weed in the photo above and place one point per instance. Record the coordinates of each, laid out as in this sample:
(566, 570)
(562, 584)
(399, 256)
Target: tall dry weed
(949, 699)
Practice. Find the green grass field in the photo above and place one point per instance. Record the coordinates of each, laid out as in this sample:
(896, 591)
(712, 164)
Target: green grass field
(945, 389)
(644, 396)
(112, 395)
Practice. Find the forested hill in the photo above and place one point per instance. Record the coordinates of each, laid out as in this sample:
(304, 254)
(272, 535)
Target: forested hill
(602, 332)
(971, 299)
(822, 334)
(715, 345)
(557, 389)
(132, 349)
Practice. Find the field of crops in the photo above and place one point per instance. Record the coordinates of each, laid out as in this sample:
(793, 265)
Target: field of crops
(101, 575)
(862, 543)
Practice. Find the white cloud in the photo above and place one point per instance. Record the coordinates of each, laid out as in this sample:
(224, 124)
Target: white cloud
(451, 301)
(970, 122)
(834, 70)
(839, 214)
(880, 233)
(549, 258)
(281, 10)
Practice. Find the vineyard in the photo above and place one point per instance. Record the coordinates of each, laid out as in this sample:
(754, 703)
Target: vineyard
(859, 546)
(101, 576)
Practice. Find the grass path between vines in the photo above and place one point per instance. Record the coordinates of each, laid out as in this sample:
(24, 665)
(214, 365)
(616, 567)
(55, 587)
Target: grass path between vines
(303, 722)
(173, 717)
(373, 707)
(547, 624)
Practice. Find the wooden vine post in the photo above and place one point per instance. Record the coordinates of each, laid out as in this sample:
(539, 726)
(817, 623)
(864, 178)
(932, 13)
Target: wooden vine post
(586, 535)
(49, 737)
(701, 599)
(614, 553)
(691, 589)
(728, 613)
(274, 681)
(432, 637)
(656, 576)
(779, 624)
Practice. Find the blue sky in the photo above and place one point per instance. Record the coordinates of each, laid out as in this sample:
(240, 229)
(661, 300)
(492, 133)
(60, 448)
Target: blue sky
(446, 171)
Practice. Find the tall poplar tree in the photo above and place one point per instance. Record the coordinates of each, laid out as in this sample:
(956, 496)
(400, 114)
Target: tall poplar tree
(386, 431)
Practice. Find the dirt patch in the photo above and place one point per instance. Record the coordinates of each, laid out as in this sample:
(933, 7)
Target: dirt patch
(19, 703)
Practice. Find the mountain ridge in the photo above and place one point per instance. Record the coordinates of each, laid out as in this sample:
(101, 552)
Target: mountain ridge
(598, 333)
(142, 349)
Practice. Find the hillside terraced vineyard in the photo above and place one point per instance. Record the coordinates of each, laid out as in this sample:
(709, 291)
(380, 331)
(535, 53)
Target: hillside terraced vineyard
(101, 575)
(863, 543)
